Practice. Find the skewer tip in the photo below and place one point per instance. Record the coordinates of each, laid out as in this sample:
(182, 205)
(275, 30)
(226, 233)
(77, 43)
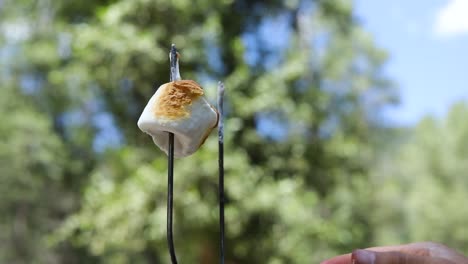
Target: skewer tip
(220, 112)
(174, 62)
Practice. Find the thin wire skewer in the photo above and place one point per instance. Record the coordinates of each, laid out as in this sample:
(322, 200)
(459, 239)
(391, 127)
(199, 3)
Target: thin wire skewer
(221, 168)
(170, 185)
(170, 164)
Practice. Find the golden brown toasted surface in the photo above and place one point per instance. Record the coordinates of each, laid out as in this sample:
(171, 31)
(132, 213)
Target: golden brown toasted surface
(176, 96)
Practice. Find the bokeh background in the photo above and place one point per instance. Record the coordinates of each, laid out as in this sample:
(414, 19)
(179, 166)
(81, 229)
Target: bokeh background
(347, 127)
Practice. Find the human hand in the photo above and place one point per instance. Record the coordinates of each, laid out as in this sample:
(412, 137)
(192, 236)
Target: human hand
(415, 253)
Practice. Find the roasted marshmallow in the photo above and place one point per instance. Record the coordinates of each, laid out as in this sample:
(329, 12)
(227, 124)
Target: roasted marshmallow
(179, 107)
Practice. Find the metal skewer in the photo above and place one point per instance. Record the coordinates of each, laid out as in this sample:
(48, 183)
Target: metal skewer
(221, 168)
(170, 163)
(174, 76)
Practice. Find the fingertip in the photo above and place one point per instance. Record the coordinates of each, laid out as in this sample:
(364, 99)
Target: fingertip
(360, 256)
(329, 261)
(343, 259)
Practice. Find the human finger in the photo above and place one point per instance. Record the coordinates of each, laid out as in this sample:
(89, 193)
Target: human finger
(393, 257)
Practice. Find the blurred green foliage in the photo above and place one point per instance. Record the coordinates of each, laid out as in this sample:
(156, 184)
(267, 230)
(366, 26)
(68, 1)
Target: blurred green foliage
(311, 169)
(425, 185)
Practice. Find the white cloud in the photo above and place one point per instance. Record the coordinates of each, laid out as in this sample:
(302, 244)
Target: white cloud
(452, 19)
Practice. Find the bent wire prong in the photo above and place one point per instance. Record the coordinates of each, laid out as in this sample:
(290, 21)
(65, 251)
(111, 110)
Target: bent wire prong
(221, 169)
(170, 164)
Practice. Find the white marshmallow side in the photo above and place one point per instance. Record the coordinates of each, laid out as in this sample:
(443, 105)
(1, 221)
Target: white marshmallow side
(189, 132)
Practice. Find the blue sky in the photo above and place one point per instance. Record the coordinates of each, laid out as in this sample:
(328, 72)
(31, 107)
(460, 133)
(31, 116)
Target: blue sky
(428, 45)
